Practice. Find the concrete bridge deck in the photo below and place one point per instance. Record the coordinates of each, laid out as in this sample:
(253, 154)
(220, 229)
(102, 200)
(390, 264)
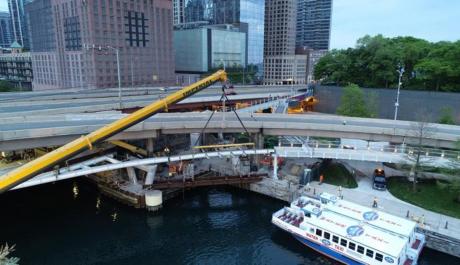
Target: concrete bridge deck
(29, 132)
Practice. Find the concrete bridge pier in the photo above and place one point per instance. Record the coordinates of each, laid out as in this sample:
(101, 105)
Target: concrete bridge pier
(132, 175)
(150, 175)
(194, 140)
(259, 140)
(275, 166)
(149, 145)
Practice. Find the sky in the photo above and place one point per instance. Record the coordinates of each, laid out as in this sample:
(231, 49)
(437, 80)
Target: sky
(3, 5)
(433, 20)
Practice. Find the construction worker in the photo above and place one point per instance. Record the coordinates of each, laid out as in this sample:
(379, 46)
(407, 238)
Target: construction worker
(374, 204)
(321, 179)
(167, 152)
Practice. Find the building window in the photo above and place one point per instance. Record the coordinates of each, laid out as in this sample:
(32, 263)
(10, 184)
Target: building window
(369, 253)
(72, 36)
(351, 245)
(136, 29)
(335, 239)
(360, 249)
(319, 232)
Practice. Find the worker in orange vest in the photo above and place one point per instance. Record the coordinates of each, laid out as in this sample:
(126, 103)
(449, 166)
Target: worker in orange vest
(321, 179)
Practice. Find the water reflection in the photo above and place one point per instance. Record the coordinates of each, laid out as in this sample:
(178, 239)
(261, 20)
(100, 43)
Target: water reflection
(49, 226)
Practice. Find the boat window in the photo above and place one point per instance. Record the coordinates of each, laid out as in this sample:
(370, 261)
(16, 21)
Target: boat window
(378, 256)
(343, 242)
(361, 249)
(327, 235)
(369, 253)
(319, 232)
(351, 245)
(335, 239)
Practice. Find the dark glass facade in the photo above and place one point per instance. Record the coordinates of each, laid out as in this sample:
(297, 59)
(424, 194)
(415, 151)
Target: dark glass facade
(41, 24)
(18, 21)
(5, 30)
(313, 24)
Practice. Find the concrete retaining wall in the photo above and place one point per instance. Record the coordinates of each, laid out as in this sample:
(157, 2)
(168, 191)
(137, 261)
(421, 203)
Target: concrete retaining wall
(442, 243)
(411, 102)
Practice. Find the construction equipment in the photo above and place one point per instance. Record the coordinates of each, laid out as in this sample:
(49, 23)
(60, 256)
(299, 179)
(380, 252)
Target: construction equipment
(268, 161)
(33, 168)
(177, 168)
(241, 105)
(129, 147)
(296, 106)
(222, 146)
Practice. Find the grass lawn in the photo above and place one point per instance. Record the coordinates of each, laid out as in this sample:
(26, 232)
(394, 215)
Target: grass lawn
(429, 196)
(337, 174)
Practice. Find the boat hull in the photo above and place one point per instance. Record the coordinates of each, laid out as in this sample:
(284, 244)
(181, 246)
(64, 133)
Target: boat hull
(327, 251)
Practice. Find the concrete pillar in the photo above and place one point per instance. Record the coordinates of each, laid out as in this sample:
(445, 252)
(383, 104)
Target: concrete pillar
(275, 166)
(150, 147)
(132, 175)
(194, 140)
(150, 175)
(259, 141)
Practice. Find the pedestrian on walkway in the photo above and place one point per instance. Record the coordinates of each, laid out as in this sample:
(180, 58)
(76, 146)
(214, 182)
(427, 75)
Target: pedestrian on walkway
(340, 192)
(321, 179)
(307, 187)
(374, 204)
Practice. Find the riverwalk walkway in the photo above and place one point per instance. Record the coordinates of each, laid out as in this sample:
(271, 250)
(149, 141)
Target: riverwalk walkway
(364, 195)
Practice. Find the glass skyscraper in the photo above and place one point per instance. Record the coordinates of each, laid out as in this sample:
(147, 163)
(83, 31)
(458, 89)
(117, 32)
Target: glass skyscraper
(18, 21)
(5, 30)
(248, 15)
(313, 25)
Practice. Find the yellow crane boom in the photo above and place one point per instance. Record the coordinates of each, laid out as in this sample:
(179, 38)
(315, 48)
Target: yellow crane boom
(33, 168)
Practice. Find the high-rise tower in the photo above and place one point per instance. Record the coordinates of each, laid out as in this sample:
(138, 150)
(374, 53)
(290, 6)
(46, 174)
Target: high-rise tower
(313, 26)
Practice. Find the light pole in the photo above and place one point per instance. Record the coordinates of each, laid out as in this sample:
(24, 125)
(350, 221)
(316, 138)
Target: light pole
(401, 72)
(118, 73)
(118, 66)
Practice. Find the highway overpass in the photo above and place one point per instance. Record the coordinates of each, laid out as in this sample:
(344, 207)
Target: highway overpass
(62, 102)
(37, 131)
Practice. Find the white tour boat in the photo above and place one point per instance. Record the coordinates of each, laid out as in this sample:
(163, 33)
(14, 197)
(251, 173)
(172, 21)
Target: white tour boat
(351, 233)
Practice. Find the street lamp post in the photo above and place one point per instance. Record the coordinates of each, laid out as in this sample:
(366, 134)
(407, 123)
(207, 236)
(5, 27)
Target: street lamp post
(117, 51)
(118, 73)
(401, 72)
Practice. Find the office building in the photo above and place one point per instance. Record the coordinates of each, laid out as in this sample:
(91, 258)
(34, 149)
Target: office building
(16, 67)
(281, 64)
(247, 15)
(19, 27)
(77, 43)
(5, 30)
(203, 49)
(178, 12)
(313, 58)
(313, 27)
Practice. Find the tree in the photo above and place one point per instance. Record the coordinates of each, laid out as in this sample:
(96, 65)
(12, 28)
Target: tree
(446, 116)
(4, 252)
(353, 103)
(420, 130)
(374, 60)
(5, 86)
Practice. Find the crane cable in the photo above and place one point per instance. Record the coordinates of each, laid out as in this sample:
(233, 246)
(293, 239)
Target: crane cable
(212, 114)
